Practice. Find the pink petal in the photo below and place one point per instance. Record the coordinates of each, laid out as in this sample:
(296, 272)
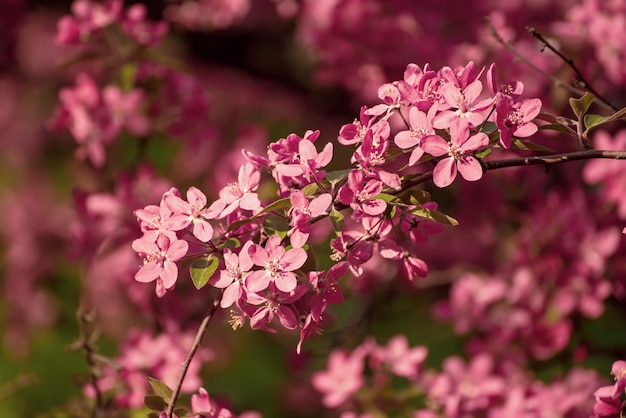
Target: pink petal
(325, 156)
(195, 196)
(472, 91)
(445, 172)
(250, 201)
(320, 204)
(202, 230)
(525, 130)
(416, 154)
(148, 272)
(177, 222)
(169, 274)
(476, 142)
(293, 259)
(307, 150)
(405, 139)
(435, 145)
(177, 205)
(470, 169)
(286, 317)
(177, 250)
(257, 281)
(224, 279)
(285, 282)
(231, 295)
(298, 200)
(143, 246)
(374, 207)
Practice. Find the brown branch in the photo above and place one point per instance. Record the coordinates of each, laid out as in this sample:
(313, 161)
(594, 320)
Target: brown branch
(192, 351)
(558, 82)
(554, 159)
(570, 63)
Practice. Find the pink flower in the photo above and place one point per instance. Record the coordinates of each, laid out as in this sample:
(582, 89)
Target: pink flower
(278, 266)
(360, 196)
(191, 212)
(342, 378)
(618, 370)
(420, 126)
(466, 105)
(274, 303)
(303, 210)
(160, 259)
(403, 360)
(458, 150)
(203, 406)
(516, 119)
(232, 277)
(242, 194)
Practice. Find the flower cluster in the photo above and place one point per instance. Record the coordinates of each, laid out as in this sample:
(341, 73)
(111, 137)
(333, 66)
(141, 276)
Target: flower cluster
(357, 383)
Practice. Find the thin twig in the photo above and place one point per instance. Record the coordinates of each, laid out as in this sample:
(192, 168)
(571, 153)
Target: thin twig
(548, 160)
(85, 344)
(558, 82)
(192, 351)
(570, 62)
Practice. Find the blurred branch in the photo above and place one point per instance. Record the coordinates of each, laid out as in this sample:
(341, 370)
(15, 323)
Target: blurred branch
(192, 351)
(12, 386)
(583, 82)
(86, 342)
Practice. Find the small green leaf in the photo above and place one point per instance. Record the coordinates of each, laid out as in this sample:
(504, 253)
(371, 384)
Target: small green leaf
(238, 224)
(620, 114)
(310, 189)
(483, 153)
(387, 197)
(581, 106)
(161, 389)
(337, 176)
(276, 225)
(202, 269)
(279, 204)
(593, 121)
(231, 243)
(155, 402)
(435, 215)
(336, 218)
(181, 412)
(557, 127)
(127, 76)
(415, 197)
(529, 145)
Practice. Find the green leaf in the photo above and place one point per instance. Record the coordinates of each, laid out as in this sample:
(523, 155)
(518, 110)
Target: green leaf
(415, 197)
(483, 153)
(310, 189)
(581, 106)
(276, 225)
(231, 243)
(161, 389)
(202, 269)
(155, 402)
(337, 176)
(435, 215)
(387, 197)
(530, 145)
(278, 204)
(593, 121)
(557, 127)
(336, 218)
(238, 224)
(127, 76)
